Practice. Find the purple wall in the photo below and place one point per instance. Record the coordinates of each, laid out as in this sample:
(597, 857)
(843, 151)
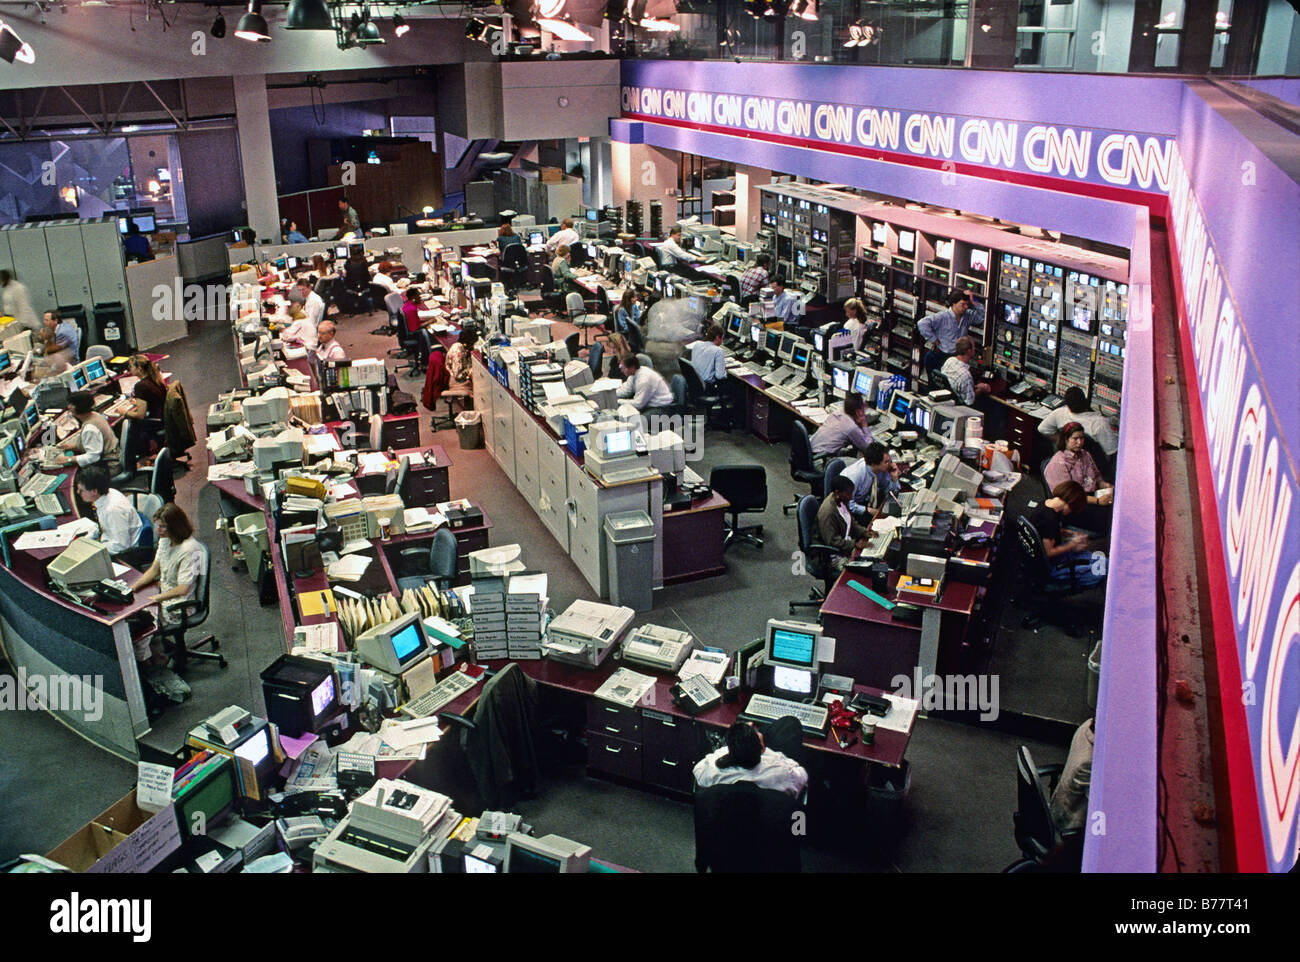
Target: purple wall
(292, 127)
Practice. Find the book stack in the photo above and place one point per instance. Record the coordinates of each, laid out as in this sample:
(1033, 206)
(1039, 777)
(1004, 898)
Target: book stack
(488, 610)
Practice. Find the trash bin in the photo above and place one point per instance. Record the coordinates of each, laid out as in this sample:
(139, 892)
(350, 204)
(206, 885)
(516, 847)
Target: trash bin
(251, 531)
(629, 556)
(1094, 674)
(887, 790)
(469, 429)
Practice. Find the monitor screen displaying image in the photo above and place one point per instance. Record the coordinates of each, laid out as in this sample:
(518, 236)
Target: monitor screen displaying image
(901, 405)
(618, 442)
(5, 361)
(840, 379)
(322, 697)
(943, 250)
(536, 238)
(772, 342)
(1081, 320)
(79, 378)
(792, 680)
(879, 232)
(907, 241)
(736, 323)
(792, 645)
(862, 383)
(479, 866)
(979, 260)
(756, 334)
(95, 369)
(256, 749)
(10, 454)
(1011, 314)
(341, 252)
(801, 259)
(407, 643)
(799, 356)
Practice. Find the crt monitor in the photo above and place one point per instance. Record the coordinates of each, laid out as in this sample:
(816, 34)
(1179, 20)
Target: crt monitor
(5, 361)
(792, 644)
(341, 252)
(1011, 313)
(788, 341)
(548, 855)
(819, 342)
(943, 251)
(593, 214)
(756, 334)
(95, 370)
(979, 261)
(879, 233)
(31, 414)
(395, 645)
(862, 383)
(480, 866)
(840, 378)
(536, 238)
(1081, 319)
(428, 255)
(801, 259)
(799, 357)
(616, 443)
(907, 241)
(794, 683)
(291, 263)
(592, 253)
(10, 453)
(772, 342)
(900, 404)
(735, 324)
(79, 378)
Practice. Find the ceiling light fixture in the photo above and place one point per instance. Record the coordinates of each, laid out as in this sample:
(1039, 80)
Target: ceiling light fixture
(658, 26)
(365, 31)
(308, 15)
(252, 25)
(400, 27)
(218, 26)
(12, 47)
(564, 29)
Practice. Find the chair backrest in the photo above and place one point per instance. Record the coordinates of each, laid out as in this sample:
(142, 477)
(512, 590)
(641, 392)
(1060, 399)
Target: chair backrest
(694, 386)
(102, 351)
(145, 538)
(602, 301)
(939, 381)
(806, 513)
(202, 592)
(833, 470)
(571, 344)
(1036, 833)
(442, 557)
(393, 301)
(163, 482)
(547, 285)
(573, 303)
(677, 384)
(635, 339)
(742, 827)
(1033, 556)
(514, 258)
(594, 355)
(646, 361)
(744, 485)
(801, 456)
(148, 505)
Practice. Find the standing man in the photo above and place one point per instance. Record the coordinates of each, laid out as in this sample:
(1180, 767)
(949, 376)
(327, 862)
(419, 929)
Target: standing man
(941, 330)
(95, 442)
(67, 336)
(351, 219)
(753, 280)
(15, 303)
(707, 358)
(566, 236)
(328, 349)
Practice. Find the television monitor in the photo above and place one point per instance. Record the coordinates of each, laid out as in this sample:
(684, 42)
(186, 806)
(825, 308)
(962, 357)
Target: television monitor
(979, 261)
(659, 283)
(1081, 319)
(921, 414)
(325, 696)
(801, 259)
(736, 324)
(840, 379)
(742, 253)
(1011, 313)
(428, 255)
(394, 646)
(1051, 344)
(900, 404)
(862, 383)
(907, 241)
(79, 378)
(792, 644)
(592, 253)
(95, 370)
(819, 342)
(772, 342)
(341, 252)
(256, 749)
(291, 263)
(670, 291)
(799, 357)
(879, 233)
(536, 238)
(593, 214)
(693, 304)
(548, 855)
(205, 799)
(5, 361)
(616, 443)
(790, 682)
(943, 251)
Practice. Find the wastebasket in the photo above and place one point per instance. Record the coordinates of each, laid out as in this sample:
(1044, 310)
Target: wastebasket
(469, 429)
(629, 556)
(251, 531)
(887, 790)
(1094, 674)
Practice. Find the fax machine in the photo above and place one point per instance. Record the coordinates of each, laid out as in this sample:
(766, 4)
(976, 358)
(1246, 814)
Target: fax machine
(585, 633)
(389, 829)
(657, 647)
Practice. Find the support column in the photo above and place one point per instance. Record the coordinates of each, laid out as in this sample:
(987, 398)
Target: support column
(600, 172)
(645, 173)
(748, 206)
(253, 121)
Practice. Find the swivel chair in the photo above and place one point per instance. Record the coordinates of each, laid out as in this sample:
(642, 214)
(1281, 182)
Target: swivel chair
(160, 481)
(803, 467)
(742, 827)
(816, 556)
(396, 322)
(571, 344)
(745, 487)
(192, 613)
(578, 315)
(437, 564)
(513, 267)
(834, 468)
(1043, 845)
(1039, 591)
(701, 397)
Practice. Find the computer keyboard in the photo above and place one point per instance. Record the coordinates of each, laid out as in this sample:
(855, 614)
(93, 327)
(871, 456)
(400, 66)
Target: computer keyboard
(50, 504)
(39, 484)
(627, 474)
(443, 693)
(768, 708)
(875, 549)
(785, 393)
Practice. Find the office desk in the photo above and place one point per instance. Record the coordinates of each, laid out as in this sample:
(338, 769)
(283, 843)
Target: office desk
(767, 418)
(693, 540)
(428, 483)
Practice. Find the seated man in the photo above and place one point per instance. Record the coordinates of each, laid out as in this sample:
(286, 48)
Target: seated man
(672, 247)
(785, 303)
(95, 441)
(874, 477)
(327, 348)
(957, 370)
(707, 358)
(645, 386)
(843, 430)
(835, 525)
(746, 758)
(119, 523)
(754, 279)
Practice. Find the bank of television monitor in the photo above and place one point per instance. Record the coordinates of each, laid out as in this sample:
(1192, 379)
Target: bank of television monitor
(979, 261)
(879, 233)
(792, 644)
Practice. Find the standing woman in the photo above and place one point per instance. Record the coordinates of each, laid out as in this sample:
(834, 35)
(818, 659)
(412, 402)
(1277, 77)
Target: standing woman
(855, 321)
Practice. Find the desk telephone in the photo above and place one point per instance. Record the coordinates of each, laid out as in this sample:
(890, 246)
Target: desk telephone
(694, 695)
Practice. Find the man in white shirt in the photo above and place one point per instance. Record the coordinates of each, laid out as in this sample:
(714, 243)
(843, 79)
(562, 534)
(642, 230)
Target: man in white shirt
(313, 304)
(707, 357)
(328, 349)
(302, 329)
(673, 246)
(746, 758)
(119, 523)
(95, 441)
(565, 235)
(1095, 425)
(957, 370)
(645, 386)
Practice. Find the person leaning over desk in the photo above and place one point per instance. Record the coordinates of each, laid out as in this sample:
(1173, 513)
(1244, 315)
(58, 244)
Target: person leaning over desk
(764, 758)
(176, 567)
(874, 477)
(835, 525)
(95, 442)
(119, 522)
(843, 429)
(148, 398)
(645, 386)
(1072, 558)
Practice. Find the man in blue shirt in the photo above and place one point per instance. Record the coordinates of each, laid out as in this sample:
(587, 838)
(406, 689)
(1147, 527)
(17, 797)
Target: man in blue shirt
(786, 304)
(941, 330)
(136, 244)
(292, 235)
(707, 357)
(874, 477)
(67, 336)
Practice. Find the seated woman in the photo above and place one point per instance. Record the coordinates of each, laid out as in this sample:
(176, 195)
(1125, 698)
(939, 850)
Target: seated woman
(1072, 462)
(1069, 552)
(746, 758)
(144, 418)
(460, 368)
(177, 567)
(562, 270)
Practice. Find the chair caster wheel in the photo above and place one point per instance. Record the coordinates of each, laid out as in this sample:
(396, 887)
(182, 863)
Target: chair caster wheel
(215, 644)
(223, 663)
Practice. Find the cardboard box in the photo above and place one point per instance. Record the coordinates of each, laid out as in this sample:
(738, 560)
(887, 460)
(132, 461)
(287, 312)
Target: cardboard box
(550, 175)
(122, 838)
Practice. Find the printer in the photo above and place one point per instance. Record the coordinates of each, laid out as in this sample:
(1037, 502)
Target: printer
(388, 829)
(654, 646)
(82, 562)
(227, 410)
(616, 451)
(271, 407)
(954, 473)
(231, 444)
(285, 446)
(585, 633)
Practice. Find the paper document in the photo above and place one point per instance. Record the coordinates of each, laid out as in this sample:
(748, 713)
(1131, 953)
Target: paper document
(625, 687)
(349, 568)
(322, 637)
(902, 712)
(404, 735)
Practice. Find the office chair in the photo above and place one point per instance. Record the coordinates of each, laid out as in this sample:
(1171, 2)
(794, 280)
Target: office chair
(635, 339)
(571, 345)
(742, 827)
(1039, 590)
(1042, 843)
(803, 466)
(677, 384)
(396, 322)
(817, 556)
(513, 267)
(192, 612)
(140, 555)
(104, 352)
(160, 481)
(577, 310)
(701, 397)
(549, 299)
(745, 487)
(594, 355)
(438, 564)
(834, 468)
(498, 738)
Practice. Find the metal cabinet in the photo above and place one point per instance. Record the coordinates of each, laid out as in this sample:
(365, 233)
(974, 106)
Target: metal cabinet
(31, 265)
(105, 262)
(68, 265)
(503, 426)
(483, 382)
(554, 476)
(526, 477)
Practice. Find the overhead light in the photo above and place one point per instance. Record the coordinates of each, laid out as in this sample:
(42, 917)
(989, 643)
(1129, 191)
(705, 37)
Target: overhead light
(809, 11)
(218, 26)
(308, 15)
(549, 9)
(658, 26)
(12, 47)
(776, 9)
(564, 29)
(986, 26)
(252, 25)
(756, 8)
(363, 30)
(400, 27)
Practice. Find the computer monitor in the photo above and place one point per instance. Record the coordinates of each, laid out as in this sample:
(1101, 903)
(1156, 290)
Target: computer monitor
(428, 255)
(592, 253)
(593, 214)
(146, 222)
(801, 259)
(862, 384)
(800, 356)
(31, 414)
(95, 371)
(206, 798)
(788, 341)
(549, 855)
(921, 414)
(616, 443)
(291, 263)
(670, 290)
(900, 404)
(79, 378)
(1081, 319)
(341, 252)
(10, 452)
(819, 342)
(693, 304)
(907, 241)
(840, 379)
(792, 644)
(480, 866)
(395, 645)
(5, 361)
(756, 334)
(536, 238)
(736, 325)
(793, 683)
(772, 342)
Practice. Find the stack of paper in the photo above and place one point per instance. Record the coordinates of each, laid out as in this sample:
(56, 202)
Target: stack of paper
(420, 519)
(349, 568)
(625, 687)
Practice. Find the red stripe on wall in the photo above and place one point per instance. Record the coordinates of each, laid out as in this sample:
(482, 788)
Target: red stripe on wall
(1243, 843)
(1125, 195)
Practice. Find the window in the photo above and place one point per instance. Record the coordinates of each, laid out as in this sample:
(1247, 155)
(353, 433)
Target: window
(1045, 34)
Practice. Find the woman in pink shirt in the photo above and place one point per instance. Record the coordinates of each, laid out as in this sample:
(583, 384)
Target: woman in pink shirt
(1072, 462)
